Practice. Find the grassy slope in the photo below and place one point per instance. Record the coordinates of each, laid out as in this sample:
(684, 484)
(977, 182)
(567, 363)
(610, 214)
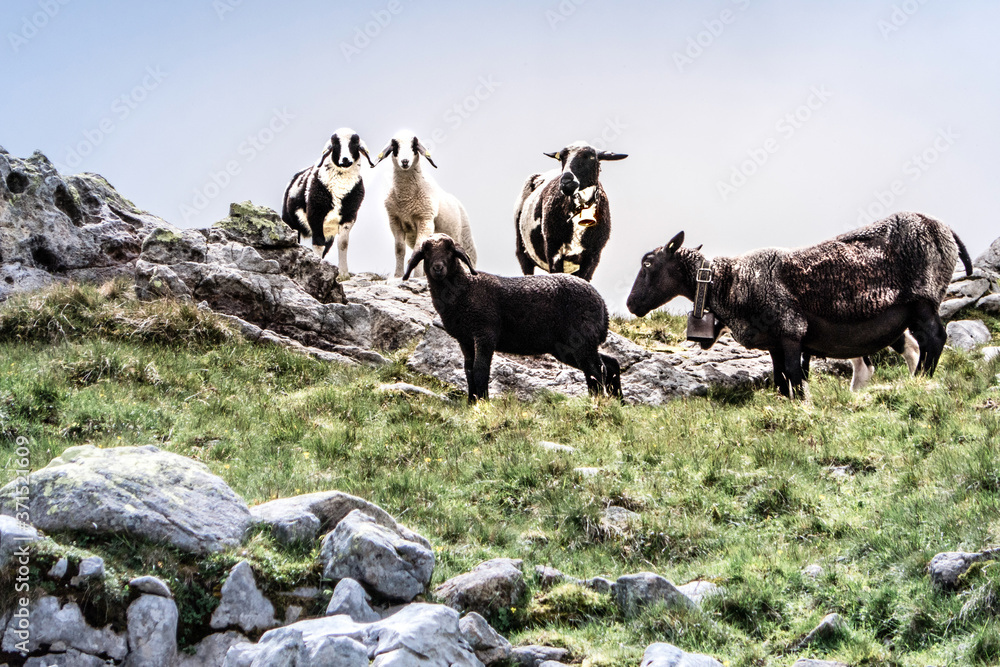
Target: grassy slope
(736, 488)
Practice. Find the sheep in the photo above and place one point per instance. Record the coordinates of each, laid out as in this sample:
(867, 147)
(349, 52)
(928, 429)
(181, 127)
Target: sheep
(862, 368)
(846, 297)
(416, 204)
(322, 201)
(559, 314)
(562, 218)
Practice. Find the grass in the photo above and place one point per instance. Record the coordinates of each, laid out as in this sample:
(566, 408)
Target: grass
(741, 492)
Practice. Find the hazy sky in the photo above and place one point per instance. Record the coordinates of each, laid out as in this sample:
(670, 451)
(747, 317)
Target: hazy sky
(748, 123)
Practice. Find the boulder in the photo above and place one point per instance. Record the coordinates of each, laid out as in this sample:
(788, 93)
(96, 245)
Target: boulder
(58, 571)
(831, 626)
(14, 535)
(151, 586)
(379, 557)
(967, 334)
(990, 259)
(489, 646)
(949, 308)
(152, 632)
(211, 651)
(696, 591)
(141, 491)
(668, 655)
(242, 604)
(71, 658)
(633, 591)
(63, 627)
(945, 568)
(813, 571)
(351, 599)
(90, 569)
(490, 586)
(532, 656)
(616, 520)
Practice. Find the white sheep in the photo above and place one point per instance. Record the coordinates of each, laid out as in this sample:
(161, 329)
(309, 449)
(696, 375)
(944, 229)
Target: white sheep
(416, 204)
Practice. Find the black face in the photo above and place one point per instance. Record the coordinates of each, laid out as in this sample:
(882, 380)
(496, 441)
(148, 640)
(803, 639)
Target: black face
(659, 279)
(581, 169)
(344, 156)
(441, 257)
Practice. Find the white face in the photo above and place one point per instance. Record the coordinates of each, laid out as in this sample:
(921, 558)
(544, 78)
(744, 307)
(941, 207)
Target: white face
(405, 156)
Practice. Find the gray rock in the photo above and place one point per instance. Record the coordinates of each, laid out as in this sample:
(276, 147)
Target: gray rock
(633, 591)
(990, 259)
(990, 304)
(360, 548)
(489, 646)
(552, 663)
(813, 571)
(945, 568)
(599, 584)
(412, 389)
(350, 598)
(549, 576)
(140, 491)
(71, 658)
(808, 662)
(587, 471)
(491, 585)
(257, 226)
(950, 308)
(90, 569)
(532, 656)
(241, 655)
(828, 628)
(58, 571)
(969, 288)
(290, 518)
(989, 353)
(667, 655)
(616, 520)
(242, 603)
(14, 536)
(211, 651)
(168, 245)
(967, 334)
(152, 632)
(151, 585)
(556, 447)
(696, 591)
(63, 627)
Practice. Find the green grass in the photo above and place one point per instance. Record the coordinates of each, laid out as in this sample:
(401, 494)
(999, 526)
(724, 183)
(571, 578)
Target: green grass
(740, 490)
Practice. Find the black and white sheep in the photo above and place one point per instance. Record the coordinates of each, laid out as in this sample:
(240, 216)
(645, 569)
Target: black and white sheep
(562, 218)
(558, 314)
(416, 204)
(847, 297)
(322, 201)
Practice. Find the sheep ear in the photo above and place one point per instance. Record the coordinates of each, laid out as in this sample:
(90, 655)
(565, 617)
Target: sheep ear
(557, 155)
(426, 153)
(416, 258)
(364, 151)
(385, 153)
(698, 249)
(460, 252)
(674, 244)
(607, 155)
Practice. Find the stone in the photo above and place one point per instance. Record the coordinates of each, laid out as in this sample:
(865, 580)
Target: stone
(211, 651)
(548, 577)
(532, 656)
(616, 520)
(63, 627)
(945, 568)
(151, 586)
(140, 491)
(58, 571)
(831, 626)
(291, 519)
(13, 536)
(586, 472)
(360, 548)
(948, 309)
(697, 591)
(599, 584)
(813, 571)
(152, 632)
(990, 259)
(970, 288)
(967, 334)
(90, 569)
(167, 245)
(633, 591)
(257, 226)
(990, 303)
(552, 663)
(350, 598)
(668, 655)
(990, 353)
(71, 658)
(411, 389)
(489, 586)
(489, 646)
(242, 603)
(809, 662)
(556, 447)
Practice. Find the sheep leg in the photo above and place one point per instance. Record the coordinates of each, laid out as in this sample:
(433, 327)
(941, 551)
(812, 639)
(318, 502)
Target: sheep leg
(527, 264)
(483, 353)
(908, 347)
(469, 353)
(806, 359)
(612, 376)
(778, 366)
(792, 351)
(862, 371)
(343, 238)
(930, 334)
(399, 241)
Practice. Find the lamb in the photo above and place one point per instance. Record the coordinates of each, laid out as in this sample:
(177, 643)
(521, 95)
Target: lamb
(562, 219)
(322, 201)
(847, 297)
(558, 314)
(416, 204)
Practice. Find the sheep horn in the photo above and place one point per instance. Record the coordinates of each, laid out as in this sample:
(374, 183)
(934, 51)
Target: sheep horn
(556, 155)
(460, 251)
(416, 258)
(364, 151)
(608, 155)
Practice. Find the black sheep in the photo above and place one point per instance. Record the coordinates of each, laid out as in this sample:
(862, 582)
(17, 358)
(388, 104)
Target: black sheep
(557, 314)
(847, 297)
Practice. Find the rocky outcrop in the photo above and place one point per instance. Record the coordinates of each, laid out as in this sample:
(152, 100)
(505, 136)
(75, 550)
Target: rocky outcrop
(492, 585)
(980, 290)
(242, 604)
(634, 591)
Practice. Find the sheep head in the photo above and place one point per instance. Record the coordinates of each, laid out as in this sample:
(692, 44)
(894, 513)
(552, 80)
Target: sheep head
(662, 276)
(344, 149)
(406, 150)
(441, 257)
(581, 167)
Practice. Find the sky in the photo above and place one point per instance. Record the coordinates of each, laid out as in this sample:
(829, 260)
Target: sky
(748, 123)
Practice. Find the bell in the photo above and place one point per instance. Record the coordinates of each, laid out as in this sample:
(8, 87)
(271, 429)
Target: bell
(701, 329)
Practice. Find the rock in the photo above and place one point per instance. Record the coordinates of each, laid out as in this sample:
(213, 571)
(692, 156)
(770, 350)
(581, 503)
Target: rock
(556, 447)
(152, 632)
(828, 628)
(291, 518)
(949, 308)
(552, 663)
(971, 288)
(813, 571)
(242, 603)
(549, 576)
(151, 585)
(667, 655)
(58, 571)
(990, 304)
(587, 472)
(945, 568)
(167, 245)
(634, 591)
(64, 627)
(617, 520)
(211, 651)
(532, 656)
(71, 658)
(405, 388)
(360, 548)
(696, 591)
(489, 646)
(989, 353)
(257, 226)
(808, 662)
(491, 585)
(990, 259)
(14, 536)
(967, 334)
(90, 569)
(599, 584)
(139, 491)
(350, 598)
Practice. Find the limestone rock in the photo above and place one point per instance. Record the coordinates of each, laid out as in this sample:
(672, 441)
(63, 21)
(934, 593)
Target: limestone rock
(13, 536)
(491, 585)
(141, 491)
(599, 584)
(616, 520)
(990, 303)
(634, 591)
(360, 548)
(967, 334)
(532, 656)
(489, 646)
(813, 571)
(950, 307)
(71, 658)
(668, 655)
(90, 569)
(350, 598)
(58, 571)
(211, 651)
(990, 259)
(831, 626)
(151, 586)
(257, 226)
(242, 604)
(152, 632)
(697, 591)
(945, 568)
(556, 447)
(62, 627)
